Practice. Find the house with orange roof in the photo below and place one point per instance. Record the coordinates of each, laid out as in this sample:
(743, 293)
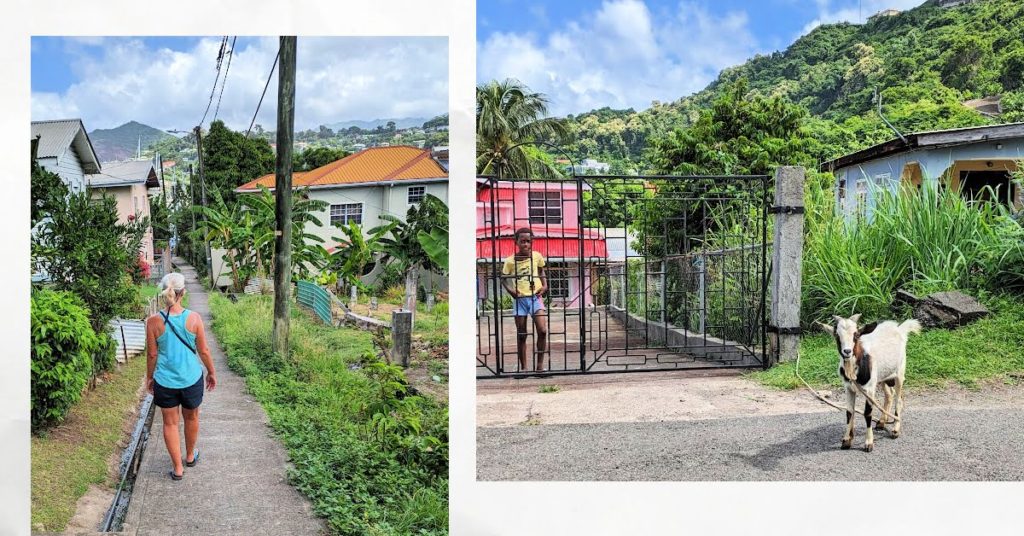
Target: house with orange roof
(361, 187)
(365, 185)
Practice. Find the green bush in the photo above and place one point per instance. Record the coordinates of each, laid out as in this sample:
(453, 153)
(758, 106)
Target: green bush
(926, 241)
(63, 344)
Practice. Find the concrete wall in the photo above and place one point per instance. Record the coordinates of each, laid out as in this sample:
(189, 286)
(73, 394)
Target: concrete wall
(131, 200)
(928, 165)
(376, 200)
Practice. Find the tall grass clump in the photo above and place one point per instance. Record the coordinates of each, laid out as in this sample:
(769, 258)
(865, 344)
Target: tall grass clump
(924, 240)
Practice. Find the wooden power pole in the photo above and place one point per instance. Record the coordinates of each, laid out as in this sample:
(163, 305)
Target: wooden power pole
(283, 194)
(202, 187)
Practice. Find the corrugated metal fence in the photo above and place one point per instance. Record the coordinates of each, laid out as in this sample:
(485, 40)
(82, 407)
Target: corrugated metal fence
(316, 298)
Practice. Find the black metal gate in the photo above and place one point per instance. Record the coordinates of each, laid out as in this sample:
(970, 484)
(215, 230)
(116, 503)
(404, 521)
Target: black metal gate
(644, 273)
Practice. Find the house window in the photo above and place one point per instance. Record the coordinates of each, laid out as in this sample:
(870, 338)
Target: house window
(545, 207)
(416, 194)
(343, 214)
(861, 197)
(558, 281)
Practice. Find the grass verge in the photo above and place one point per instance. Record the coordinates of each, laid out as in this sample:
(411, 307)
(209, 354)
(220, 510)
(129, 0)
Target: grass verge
(990, 348)
(372, 458)
(68, 458)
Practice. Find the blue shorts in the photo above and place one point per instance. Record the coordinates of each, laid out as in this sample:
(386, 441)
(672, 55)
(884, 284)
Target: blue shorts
(188, 398)
(528, 306)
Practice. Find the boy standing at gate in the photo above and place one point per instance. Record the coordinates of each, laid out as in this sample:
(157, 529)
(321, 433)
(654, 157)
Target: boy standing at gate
(526, 267)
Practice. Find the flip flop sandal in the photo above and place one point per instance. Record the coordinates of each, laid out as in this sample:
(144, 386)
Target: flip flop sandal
(195, 460)
(174, 476)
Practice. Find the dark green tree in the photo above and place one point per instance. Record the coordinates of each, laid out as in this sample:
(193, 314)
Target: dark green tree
(508, 114)
(230, 160)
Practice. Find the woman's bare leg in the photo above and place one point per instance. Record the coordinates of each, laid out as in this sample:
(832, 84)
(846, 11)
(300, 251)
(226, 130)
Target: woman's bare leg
(171, 439)
(191, 432)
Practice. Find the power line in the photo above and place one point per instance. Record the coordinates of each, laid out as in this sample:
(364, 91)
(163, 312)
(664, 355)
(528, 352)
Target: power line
(220, 59)
(224, 82)
(271, 75)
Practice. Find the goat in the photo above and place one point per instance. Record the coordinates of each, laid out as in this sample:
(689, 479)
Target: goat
(876, 353)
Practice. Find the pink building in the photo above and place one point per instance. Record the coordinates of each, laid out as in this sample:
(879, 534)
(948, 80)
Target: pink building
(552, 211)
(128, 183)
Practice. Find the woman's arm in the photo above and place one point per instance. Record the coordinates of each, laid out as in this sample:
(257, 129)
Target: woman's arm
(151, 350)
(204, 351)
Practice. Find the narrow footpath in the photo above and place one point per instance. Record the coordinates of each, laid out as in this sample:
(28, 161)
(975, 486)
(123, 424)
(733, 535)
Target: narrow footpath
(239, 485)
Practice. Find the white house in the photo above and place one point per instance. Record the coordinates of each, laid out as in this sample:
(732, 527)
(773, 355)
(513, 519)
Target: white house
(363, 186)
(965, 159)
(65, 149)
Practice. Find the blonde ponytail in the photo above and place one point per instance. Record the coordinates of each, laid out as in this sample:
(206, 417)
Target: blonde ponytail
(172, 288)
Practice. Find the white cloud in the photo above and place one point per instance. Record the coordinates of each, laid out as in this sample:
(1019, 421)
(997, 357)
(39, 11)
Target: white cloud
(622, 55)
(855, 11)
(337, 79)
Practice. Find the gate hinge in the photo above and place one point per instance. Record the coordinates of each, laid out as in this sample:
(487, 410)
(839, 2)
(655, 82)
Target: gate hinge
(784, 331)
(786, 210)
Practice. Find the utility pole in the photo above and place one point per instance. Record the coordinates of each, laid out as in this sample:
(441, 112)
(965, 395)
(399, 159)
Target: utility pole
(283, 195)
(202, 187)
(192, 210)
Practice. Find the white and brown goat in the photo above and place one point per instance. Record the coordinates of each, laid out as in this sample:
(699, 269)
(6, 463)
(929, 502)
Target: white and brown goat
(871, 355)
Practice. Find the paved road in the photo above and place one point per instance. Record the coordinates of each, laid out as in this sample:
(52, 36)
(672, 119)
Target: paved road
(239, 485)
(936, 444)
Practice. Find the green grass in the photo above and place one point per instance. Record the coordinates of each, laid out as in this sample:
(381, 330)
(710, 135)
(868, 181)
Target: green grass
(988, 349)
(68, 458)
(371, 460)
(549, 389)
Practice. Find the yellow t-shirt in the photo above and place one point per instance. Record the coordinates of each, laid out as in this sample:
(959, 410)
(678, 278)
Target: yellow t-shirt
(526, 272)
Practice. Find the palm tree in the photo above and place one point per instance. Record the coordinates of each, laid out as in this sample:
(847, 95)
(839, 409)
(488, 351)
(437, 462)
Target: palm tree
(508, 114)
(307, 253)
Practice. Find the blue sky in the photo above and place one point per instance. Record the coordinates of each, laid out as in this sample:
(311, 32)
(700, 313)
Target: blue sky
(165, 82)
(586, 54)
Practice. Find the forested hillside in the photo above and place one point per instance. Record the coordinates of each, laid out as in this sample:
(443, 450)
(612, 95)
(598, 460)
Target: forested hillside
(122, 143)
(924, 62)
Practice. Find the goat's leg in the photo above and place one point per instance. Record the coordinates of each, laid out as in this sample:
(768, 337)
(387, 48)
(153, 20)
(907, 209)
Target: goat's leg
(851, 401)
(869, 441)
(899, 408)
(882, 419)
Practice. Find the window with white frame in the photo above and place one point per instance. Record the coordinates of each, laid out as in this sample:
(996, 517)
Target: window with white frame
(416, 194)
(345, 213)
(861, 198)
(557, 276)
(545, 207)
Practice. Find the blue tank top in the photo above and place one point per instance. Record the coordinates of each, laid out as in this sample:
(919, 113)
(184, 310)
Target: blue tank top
(177, 367)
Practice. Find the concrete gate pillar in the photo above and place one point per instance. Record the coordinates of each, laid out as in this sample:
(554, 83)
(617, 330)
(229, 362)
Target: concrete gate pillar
(787, 263)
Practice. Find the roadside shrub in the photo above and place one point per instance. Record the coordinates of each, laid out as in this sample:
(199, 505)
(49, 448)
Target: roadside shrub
(925, 240)
(63, 344)
(394, 294)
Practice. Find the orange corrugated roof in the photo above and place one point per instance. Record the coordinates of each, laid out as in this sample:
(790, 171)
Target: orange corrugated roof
(376, 164)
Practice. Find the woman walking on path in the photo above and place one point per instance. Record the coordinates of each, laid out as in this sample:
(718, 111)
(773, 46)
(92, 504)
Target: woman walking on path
(174, 339)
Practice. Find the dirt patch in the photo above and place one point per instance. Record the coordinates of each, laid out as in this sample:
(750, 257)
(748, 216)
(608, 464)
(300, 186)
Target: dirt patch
(90, 510)
(428, 370)
(651, 398)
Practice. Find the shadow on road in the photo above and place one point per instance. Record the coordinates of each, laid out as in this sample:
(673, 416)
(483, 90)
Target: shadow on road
(814, 441)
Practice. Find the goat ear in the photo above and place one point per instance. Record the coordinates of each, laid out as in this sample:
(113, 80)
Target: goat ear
(855, 318)
(826, 328)
(837, 318)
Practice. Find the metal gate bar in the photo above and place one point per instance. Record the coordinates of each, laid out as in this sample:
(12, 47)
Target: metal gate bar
(687, 301)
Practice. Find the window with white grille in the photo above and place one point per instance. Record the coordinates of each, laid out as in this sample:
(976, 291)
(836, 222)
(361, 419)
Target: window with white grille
(558, 281)
(545, 207)
(350, 212)
(416, 194)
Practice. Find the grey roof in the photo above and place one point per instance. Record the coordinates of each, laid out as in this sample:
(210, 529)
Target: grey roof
(932, 138)
(56, 136)
(124, 174)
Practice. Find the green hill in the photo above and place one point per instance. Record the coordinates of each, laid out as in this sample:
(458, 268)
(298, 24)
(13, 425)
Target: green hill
(925, 62)
(122, 143)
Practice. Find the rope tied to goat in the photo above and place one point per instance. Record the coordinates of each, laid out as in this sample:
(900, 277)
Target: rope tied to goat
(869, 398)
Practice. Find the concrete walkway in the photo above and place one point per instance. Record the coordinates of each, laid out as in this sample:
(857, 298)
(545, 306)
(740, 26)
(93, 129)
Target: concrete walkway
(239, 485)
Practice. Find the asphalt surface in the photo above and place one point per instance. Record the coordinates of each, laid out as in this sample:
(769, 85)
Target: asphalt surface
(935, 444)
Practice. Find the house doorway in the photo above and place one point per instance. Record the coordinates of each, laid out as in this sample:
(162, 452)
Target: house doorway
(994, 185)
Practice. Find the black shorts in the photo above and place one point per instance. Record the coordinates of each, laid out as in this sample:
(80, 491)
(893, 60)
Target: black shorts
(188, 398)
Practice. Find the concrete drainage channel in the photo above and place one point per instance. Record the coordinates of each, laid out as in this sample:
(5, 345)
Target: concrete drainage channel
(131, 460)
